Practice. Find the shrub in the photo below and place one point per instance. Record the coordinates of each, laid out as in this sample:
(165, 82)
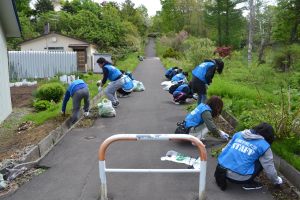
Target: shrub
(41, 105)
(286, 58)
(198, 49)
(171, 53)
(50, 91)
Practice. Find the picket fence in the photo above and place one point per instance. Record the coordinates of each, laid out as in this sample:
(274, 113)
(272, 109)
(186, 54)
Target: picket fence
(40, 64)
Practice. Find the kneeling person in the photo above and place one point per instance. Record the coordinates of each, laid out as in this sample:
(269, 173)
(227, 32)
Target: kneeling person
(245, 156)
(203, 114)
(127, 87)
(181, 92)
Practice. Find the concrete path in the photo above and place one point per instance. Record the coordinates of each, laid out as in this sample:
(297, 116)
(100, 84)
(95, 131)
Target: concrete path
(73, 164)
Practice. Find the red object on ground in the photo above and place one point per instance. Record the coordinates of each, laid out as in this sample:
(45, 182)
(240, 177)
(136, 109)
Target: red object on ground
(223, 51)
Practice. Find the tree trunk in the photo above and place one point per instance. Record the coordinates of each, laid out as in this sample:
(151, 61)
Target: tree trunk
(294, 36)
(219, 24)
(227, 24)
(250, 34)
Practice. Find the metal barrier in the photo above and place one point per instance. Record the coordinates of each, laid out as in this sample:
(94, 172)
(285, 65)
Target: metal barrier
(151, 137)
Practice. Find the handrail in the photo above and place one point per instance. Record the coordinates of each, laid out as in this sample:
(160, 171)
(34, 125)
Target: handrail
(152, 137)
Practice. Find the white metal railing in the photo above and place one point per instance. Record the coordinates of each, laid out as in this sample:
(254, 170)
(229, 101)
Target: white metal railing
(152, 137)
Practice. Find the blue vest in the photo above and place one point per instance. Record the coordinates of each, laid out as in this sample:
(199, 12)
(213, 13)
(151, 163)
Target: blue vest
(240, 154)
(178, 77)
(194, 118)
(128, 84)
(169, 71)
(200, 70)
(113, 72)
(76, 85)
(180, 88)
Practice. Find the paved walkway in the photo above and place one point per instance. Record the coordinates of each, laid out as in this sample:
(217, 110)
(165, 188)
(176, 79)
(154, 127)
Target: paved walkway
(73, 164)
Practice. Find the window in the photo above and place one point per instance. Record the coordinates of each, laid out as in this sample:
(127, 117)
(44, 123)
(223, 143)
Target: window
(55, 48)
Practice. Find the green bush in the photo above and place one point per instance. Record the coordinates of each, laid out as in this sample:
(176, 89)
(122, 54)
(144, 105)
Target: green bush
(41, 105)
(171, 53)
(50, 92)
(198, 49)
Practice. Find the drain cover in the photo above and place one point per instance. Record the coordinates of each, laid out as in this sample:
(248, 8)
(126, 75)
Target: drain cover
(89, 137)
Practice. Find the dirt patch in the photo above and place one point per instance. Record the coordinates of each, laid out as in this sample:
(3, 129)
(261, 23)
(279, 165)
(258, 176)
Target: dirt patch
(88, 121)
(17, 140)
(22, 96)
(283, 192)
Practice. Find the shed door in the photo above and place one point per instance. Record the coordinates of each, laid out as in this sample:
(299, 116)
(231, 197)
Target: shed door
(81, 60)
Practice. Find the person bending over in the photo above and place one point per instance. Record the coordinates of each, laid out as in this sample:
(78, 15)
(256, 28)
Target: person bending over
(180, 92)
(245, 156)
(116, 78)
(202, 76)
(78, 90)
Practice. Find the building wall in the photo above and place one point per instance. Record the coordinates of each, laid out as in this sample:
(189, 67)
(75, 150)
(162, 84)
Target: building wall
(55, 40)
(5, 100)
(90, 51)
(51, 40)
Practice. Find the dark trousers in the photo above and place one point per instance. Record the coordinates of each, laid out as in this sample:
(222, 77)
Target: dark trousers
(257, 169)
(199, 88)
(221, 175)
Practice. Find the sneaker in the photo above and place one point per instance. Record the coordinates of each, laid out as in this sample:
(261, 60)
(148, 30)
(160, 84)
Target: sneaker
(86, 114)
(115, 104)
(254, 185)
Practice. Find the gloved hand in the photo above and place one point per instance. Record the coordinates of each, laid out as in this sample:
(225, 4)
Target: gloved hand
(99, 83)
(224, 135)
(99, 89)
(278, 181)
(206, 86)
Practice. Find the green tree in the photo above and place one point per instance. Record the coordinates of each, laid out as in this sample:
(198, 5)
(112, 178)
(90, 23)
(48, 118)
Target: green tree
(42, 6)
(225, 22)
(23, 6)
(287, 21)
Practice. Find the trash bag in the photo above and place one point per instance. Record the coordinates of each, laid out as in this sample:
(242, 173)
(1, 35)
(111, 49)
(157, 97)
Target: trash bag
(106, 109)
(138, 86)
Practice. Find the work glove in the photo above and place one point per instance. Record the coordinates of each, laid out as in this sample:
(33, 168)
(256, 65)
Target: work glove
(224, 135)
(86, 114)
(278, 181)
(99, 83)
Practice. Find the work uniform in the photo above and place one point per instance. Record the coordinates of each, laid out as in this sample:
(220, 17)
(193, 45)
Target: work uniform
(116, 78)
(78, 90)
(202, 75)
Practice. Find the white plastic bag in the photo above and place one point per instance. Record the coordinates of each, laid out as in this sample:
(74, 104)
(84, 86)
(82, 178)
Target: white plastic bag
(138, 86)
(106, 109)
(165, 83)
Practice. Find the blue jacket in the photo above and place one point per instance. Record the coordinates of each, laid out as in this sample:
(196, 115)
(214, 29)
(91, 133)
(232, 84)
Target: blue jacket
(128, 84)
(170, 73)
(182, 88)
(201, 70)
(194, 118)
(178, 77)
(240, 154)
(75, 85)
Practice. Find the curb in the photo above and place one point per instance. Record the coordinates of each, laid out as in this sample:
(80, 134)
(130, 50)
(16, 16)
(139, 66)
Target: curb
(39, 151)
(287, 170)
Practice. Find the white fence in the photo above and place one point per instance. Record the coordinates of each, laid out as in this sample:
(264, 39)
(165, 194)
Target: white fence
(40, 64)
